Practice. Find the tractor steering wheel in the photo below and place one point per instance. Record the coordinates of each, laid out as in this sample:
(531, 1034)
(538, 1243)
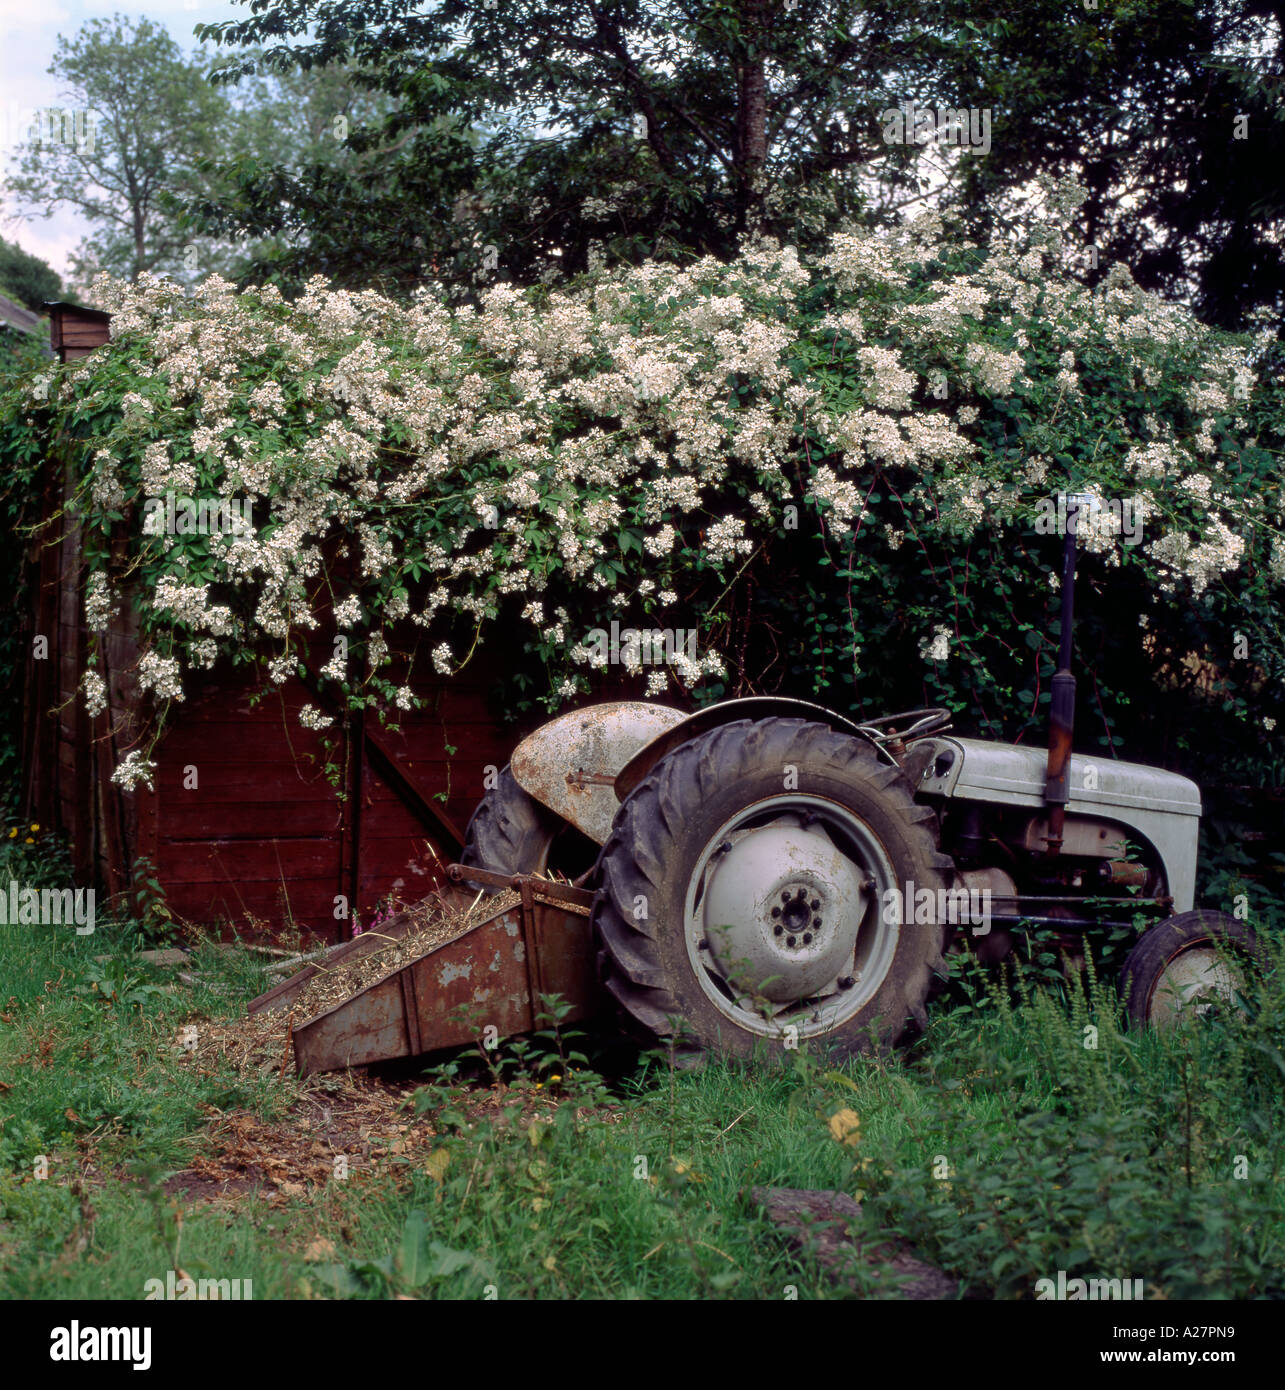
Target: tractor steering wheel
(924, 721)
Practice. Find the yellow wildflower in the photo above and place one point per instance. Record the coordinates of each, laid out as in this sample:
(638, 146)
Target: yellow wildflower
(845, 1125)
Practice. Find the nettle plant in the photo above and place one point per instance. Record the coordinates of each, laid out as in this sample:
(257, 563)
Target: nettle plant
(642, 447)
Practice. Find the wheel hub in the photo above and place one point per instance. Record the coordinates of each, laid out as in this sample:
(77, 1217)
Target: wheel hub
(1194, 983)
(781, 912)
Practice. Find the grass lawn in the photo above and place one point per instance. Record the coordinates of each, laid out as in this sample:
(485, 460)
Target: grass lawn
(1020, 1137)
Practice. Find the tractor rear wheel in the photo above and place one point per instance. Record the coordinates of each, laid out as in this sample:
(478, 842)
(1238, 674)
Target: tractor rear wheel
(512, 833)
(1186, 966)
(751, 894)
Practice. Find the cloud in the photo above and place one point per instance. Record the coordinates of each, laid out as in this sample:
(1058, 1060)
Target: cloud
(22, 17)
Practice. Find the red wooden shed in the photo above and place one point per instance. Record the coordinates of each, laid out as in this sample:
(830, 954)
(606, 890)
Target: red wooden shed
(243, 823)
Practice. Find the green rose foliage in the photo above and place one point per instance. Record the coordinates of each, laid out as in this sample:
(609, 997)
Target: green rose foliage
(837, 471)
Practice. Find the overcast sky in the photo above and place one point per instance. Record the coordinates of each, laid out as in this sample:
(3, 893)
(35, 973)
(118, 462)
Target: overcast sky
(29, 31)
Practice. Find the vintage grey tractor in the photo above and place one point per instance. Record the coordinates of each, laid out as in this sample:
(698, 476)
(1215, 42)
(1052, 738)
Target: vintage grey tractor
(768, 869)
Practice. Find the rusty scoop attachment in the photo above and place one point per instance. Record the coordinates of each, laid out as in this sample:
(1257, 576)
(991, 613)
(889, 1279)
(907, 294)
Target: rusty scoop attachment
(494, 972)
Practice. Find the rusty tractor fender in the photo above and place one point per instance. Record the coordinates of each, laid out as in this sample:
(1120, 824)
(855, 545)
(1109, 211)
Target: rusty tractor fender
(582, 765)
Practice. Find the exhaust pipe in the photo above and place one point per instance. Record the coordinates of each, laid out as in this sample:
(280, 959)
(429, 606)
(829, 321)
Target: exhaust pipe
(1062, 702)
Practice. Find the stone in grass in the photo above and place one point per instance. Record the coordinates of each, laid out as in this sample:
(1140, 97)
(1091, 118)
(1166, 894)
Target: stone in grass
(817, 1223)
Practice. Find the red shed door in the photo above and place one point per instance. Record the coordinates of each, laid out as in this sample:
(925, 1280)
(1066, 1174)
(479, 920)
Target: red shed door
(262, 824)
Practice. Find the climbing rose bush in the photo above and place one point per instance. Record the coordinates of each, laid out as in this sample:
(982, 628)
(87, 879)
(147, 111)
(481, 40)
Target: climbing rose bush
(633, 448)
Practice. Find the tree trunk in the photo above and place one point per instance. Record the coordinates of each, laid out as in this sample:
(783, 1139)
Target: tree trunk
(751, 119)
(139, 246)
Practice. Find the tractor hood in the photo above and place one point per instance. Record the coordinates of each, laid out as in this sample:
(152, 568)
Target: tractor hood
(1008, 772)
(1160, 807)
(570, 763)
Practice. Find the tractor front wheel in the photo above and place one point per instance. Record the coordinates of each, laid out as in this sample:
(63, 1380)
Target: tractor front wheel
(1186, 966)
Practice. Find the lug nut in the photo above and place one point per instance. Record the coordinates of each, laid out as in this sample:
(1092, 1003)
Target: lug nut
(807, 938)
(816, 903)
(846, 982)
(776, 912)
(816, 922)
(778, 929)
(789, 941)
